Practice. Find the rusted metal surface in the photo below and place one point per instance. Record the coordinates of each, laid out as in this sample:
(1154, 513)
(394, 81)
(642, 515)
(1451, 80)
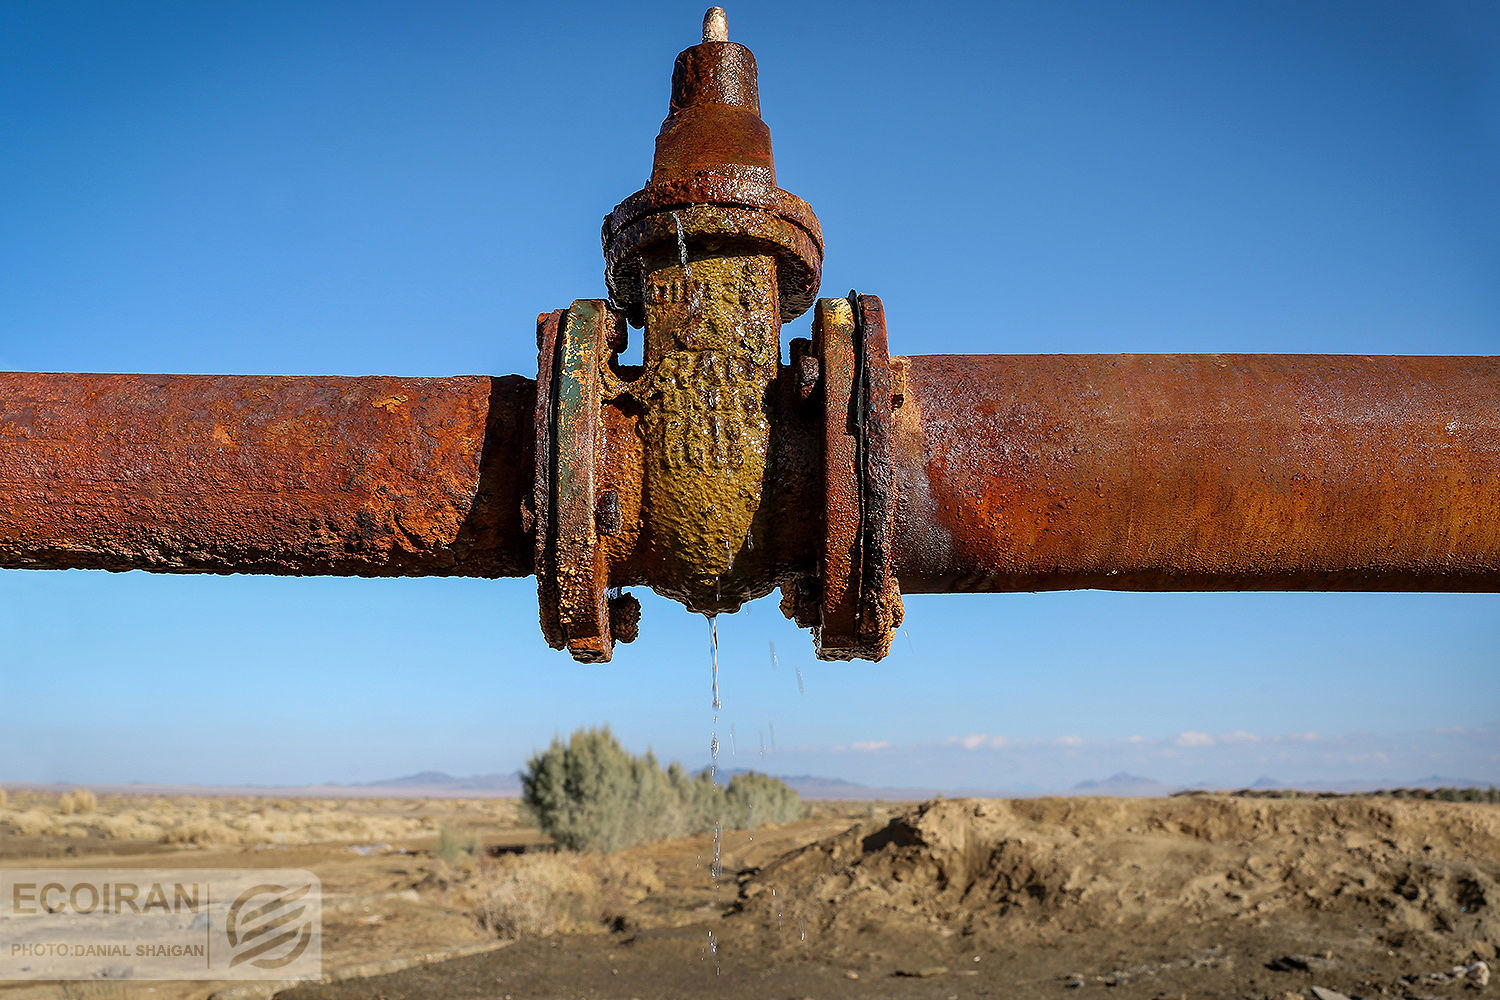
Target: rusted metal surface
(242, 474)
(572, 561)
(1198, 472)
(860, 603)
(712, 190)
(714, 475)
(711, 257)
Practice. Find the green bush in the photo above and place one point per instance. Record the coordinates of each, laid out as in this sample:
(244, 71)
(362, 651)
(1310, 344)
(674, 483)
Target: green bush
(754, 800)
(590, 794)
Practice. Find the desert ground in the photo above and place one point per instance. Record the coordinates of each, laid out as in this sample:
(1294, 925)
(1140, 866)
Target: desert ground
(1191, 896)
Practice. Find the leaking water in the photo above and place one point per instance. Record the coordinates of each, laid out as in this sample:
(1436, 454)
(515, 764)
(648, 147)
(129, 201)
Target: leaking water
(716, 868)
(694, 297)
(713, 649)
(682, 251)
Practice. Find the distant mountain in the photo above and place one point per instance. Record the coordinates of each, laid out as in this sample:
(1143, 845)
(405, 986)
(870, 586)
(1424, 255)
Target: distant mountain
(440, 783)
(1437, 781)
(425, 779)
(811, 786)
(1123, 785)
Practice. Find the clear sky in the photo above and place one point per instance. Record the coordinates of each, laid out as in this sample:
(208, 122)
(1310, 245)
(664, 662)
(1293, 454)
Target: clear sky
(399, 188)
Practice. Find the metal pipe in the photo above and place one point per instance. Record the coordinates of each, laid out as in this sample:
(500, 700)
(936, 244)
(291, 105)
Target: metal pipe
(713, 474)
(1197, 472)
(255, 474)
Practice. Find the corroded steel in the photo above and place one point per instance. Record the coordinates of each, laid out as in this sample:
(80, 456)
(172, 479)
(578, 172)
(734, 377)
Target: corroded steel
(1198, 472)
(713, 475)
(711, 257)
(858, 606)
(578, 564)
(240, 474)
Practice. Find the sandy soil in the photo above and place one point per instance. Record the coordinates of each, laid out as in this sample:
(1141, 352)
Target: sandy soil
(1205, 896)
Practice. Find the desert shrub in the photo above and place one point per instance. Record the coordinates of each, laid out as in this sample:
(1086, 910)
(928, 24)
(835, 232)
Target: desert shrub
(753, 800)
(200, 833)
(547, 893)
(2, 798)
(701, 801)
(31, 822)
(591, 794)
(535, 895)
(455, 847)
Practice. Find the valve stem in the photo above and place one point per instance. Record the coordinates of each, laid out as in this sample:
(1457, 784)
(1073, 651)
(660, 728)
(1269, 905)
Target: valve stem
(715, 25)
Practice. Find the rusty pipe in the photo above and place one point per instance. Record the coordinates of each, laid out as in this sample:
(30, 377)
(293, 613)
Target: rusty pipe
(1165, 472)
(251, 474)
(1197, 472)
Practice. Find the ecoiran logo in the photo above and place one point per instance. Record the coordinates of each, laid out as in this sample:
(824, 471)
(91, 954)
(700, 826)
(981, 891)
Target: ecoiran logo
(187, 923)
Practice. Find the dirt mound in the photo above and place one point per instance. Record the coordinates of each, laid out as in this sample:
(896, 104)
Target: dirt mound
(1404, 875)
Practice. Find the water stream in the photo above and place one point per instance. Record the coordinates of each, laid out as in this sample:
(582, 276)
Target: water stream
(716, 868)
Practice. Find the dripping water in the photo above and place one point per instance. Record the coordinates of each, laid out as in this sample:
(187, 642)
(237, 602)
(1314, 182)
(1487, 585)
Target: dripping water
(693, 298)
(715, 868)
(682, 253)
(713, 650)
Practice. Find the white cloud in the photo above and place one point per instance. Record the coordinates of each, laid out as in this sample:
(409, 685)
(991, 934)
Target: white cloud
(973, 741)
(870, 746)
(1070, 741)
(1239, 736)
(1192, 739)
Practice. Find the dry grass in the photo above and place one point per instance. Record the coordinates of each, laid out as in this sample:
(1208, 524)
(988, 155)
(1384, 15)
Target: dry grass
(246, 821)
(566, 892)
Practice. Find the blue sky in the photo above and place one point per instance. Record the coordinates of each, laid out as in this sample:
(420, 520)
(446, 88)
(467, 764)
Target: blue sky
(398, 188)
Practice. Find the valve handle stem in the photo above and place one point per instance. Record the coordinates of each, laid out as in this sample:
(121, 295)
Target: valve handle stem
(715, 25)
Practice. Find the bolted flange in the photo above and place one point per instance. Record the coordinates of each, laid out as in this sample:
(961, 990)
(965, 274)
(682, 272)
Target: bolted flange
(854, 608)
(574, 508)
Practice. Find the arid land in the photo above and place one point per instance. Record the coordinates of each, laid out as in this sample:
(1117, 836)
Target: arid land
(1193, 896)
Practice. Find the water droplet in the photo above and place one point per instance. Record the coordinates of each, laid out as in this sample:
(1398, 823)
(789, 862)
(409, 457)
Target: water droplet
(713, 649)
